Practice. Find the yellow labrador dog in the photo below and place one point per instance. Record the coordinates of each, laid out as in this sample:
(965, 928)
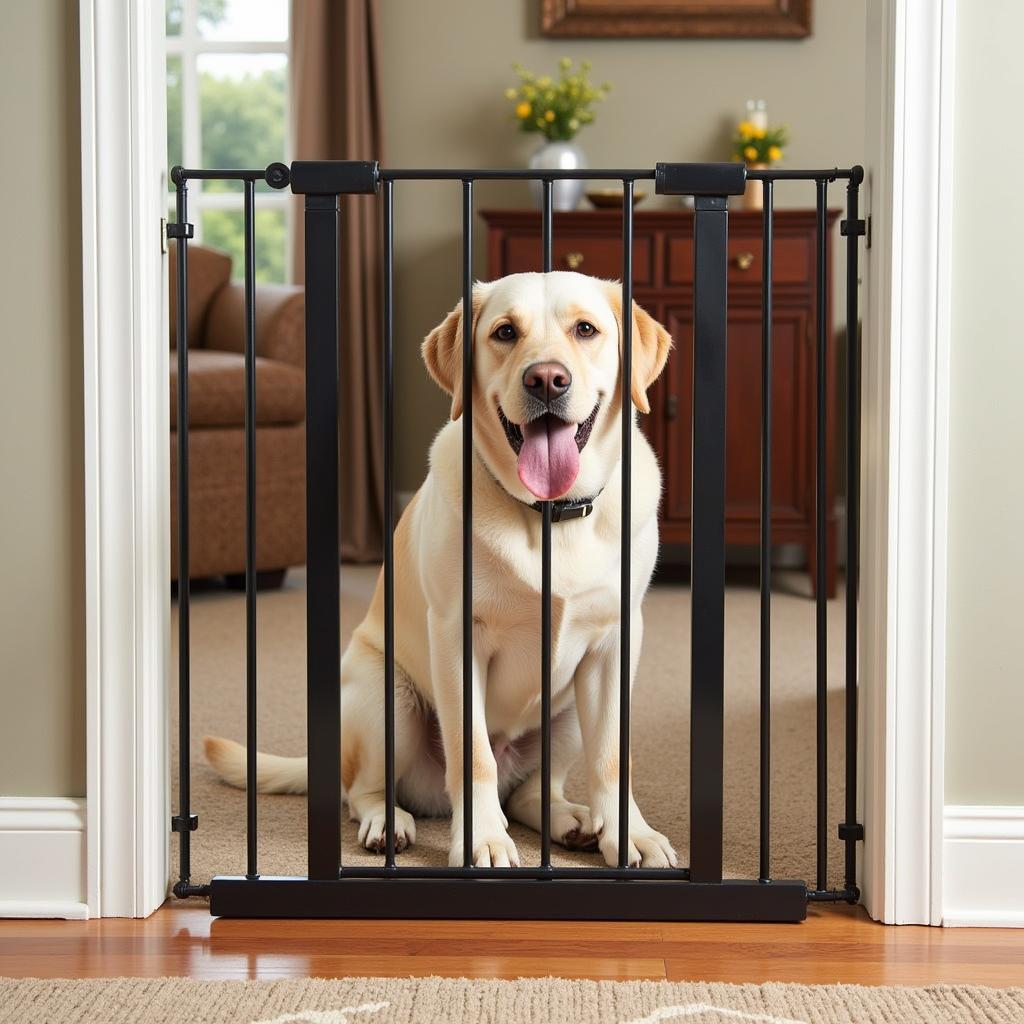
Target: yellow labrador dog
(546, 425)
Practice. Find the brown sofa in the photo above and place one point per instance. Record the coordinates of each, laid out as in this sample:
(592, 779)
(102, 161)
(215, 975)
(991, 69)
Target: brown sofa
(216, 391)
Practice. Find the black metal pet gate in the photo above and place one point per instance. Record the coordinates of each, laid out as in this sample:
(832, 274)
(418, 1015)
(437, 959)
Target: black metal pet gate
(695, 893)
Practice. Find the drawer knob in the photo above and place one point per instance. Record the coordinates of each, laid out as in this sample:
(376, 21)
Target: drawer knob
(574, 260)
(744, 260)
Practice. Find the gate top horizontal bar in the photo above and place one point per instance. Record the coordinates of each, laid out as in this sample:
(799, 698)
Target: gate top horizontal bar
(855, 173)
(592, 174)
(180, 174)
(348, 177)
(514, 174)
(276, 175)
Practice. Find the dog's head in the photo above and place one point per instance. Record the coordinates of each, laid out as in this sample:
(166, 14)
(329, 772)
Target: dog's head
(546, 378)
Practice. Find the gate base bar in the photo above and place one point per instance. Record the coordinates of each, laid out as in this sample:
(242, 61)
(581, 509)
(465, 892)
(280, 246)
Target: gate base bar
(531, 899)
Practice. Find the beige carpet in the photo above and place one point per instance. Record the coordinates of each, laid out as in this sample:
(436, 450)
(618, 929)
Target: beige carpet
(660, 729)
(447, 1001)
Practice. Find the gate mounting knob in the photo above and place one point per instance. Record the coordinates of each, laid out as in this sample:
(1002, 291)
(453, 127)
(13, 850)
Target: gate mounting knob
(278, 175)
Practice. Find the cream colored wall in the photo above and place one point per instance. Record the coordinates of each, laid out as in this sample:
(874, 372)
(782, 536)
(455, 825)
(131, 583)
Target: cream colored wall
(42, 670)
(446, 64)
(985, 667)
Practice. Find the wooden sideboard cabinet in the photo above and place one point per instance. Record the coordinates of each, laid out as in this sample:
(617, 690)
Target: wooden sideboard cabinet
(590, 242)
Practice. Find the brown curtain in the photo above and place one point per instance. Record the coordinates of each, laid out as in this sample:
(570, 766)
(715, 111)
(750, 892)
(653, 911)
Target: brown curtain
(335, 102)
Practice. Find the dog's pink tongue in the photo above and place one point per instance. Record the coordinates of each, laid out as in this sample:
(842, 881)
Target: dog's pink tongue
(549, 460)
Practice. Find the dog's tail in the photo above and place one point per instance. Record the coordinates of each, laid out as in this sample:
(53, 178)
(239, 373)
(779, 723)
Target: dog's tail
(273, 774)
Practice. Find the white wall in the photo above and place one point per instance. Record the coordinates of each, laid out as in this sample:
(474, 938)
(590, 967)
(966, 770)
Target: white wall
(42, 659)
(985, 670)
(983, 849)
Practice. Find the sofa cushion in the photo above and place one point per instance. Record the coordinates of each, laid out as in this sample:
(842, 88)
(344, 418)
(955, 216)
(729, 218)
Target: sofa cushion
(216, 390)
(208, 271)
(280, 321)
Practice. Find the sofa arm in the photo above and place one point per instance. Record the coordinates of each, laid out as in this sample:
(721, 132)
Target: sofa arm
(280, 321)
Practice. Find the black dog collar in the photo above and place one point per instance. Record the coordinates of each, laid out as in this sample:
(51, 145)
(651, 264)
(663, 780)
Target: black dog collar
(575, 508)
(578, 508)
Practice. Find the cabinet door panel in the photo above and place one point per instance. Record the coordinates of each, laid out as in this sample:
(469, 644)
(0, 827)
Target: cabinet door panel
(587, 253)
(790, 417)
(793, 264)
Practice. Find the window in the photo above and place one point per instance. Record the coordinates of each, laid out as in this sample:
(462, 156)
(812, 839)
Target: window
(227, 106)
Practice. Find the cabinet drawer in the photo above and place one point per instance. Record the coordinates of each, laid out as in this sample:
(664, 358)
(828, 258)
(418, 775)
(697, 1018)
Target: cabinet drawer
(794, 262)
(589, 254)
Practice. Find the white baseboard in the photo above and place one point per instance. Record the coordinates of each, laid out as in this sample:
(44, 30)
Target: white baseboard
(983, 867)
(43, 867)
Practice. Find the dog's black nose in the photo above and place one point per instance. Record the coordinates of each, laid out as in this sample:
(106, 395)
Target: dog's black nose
(547, 381)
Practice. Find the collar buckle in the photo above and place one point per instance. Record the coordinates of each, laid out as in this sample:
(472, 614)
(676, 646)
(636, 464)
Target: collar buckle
(563, 510)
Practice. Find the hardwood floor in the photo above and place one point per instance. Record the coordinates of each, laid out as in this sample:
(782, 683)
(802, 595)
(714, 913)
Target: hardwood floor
(833, 945)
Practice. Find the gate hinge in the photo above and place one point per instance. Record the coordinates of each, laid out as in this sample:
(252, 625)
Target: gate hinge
(860, 227)
(855, 832)
(178, 229)
(180, 823)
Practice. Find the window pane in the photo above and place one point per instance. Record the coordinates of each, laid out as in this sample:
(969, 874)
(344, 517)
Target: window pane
(174, 150)
(174, 11)
(223, 229)
(242, 108)
(262, 20)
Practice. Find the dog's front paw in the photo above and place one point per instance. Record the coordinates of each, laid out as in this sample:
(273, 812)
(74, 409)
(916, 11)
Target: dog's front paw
(492, 848)
(373, 826)
(647, 848)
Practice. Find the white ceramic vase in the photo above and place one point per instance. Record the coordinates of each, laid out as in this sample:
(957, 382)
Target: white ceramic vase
(564, 156)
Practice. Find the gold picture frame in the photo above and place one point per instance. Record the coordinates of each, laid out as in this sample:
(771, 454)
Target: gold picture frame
(706, 19)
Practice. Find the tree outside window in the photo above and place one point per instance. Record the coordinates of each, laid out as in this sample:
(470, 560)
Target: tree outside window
(227, 106)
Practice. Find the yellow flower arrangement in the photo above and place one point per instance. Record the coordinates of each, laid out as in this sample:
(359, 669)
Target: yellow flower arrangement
(557, 109)
(758, 145)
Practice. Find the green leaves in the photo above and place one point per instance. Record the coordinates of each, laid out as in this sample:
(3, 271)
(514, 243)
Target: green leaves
(555, 108)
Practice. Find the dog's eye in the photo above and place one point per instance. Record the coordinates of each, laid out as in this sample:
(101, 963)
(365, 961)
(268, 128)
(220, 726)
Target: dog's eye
(504, 332)
(585, 329)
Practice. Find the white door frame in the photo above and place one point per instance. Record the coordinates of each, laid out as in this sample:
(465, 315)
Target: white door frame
(126, 440)
(905, 403)
(909, 92)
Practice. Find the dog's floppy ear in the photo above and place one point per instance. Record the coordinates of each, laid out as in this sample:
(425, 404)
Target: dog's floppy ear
(651, 346)
(442, 351)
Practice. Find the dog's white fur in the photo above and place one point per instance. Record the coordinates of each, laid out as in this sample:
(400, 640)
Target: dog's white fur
(545, 310)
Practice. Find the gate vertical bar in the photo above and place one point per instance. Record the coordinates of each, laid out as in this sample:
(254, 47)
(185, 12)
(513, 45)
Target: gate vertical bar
(389, 527)
(250, 529)
(625, 559)
(184, 821)
(467, 522)
(820, 513)
(545, 604)
(851, 832)
(768, 238)
(547, 228)
(323, 627)
(710, 244)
